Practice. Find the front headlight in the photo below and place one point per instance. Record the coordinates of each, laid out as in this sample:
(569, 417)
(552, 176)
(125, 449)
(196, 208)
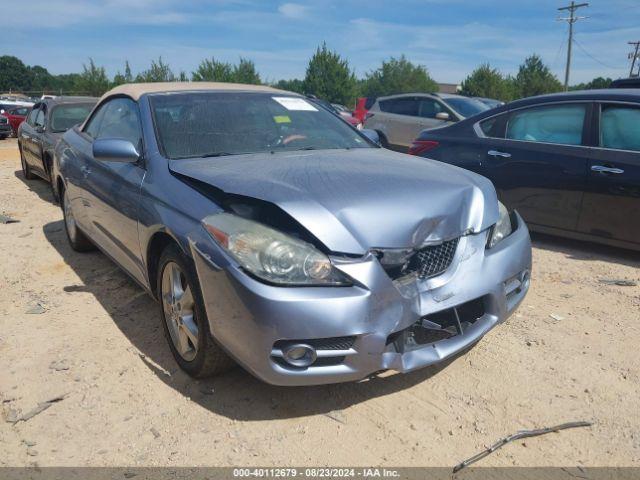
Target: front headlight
(271, 255)
(502, 229)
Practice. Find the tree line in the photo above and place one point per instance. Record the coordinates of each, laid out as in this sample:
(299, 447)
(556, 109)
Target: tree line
(328, 76)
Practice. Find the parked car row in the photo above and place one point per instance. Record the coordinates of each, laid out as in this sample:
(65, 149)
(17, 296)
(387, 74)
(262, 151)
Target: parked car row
(399, 119)
(12, 112)
(47, 120)
(272, 232)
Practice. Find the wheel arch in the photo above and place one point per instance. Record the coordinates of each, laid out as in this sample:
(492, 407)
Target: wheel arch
(157, 243)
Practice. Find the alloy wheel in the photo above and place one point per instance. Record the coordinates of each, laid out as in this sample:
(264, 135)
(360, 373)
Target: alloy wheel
(179, 311)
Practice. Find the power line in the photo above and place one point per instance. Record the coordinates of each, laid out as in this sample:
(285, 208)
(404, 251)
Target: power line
(555, 60)
(571, 20)
(592, 57)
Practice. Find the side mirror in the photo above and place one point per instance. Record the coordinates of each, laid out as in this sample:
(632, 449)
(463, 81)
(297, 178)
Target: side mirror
(115, 150)
(39, 128)
(371, 135)
(443, 116)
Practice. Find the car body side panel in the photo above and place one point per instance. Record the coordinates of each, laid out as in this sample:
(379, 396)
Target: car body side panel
(112, 196)
(544, 182)
(611, 205)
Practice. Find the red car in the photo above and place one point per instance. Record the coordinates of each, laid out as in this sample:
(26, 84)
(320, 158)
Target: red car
(16, 116)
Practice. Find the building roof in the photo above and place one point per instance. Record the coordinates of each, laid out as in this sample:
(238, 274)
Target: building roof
(136, 90)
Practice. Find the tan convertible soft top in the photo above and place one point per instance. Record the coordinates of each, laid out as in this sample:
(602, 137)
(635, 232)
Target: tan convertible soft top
(136, 90)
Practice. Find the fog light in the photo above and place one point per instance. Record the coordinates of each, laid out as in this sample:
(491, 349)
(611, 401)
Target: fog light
(299, 354)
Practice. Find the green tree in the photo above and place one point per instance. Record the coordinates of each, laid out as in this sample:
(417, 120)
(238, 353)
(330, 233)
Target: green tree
(128, 78)
(488, 82)
(596, 83)
(397, 75)
(40, 79)
(245, 72)
(211, 70)
(122, 78)
(92, 81)
(66, 82)
(295, 85)
(535, 78)
(157, 72)
(329, 77)
(14, 75)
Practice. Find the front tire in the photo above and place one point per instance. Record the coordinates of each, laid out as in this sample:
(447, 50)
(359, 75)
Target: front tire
(77, 239)
(184, 317)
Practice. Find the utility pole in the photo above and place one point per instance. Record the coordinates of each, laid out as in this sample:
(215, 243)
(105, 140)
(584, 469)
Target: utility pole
(633, 57)
(571, 19)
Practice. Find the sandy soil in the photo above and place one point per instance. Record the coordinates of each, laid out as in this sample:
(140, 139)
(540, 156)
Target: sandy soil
(98, 342)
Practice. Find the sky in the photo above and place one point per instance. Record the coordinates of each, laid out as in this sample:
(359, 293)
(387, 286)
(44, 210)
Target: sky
(449, 37)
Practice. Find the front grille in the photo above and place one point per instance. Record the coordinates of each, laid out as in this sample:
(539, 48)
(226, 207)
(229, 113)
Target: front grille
(4, 119)
(432, 260)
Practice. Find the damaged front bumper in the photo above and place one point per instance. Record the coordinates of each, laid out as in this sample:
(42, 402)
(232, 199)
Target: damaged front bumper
(376, 324)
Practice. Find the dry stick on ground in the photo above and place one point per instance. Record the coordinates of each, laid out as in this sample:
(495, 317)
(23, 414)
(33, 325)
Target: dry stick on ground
(516, 436)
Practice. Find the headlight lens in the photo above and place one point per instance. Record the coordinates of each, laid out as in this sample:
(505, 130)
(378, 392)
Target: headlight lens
(271, 255)
(502, 229)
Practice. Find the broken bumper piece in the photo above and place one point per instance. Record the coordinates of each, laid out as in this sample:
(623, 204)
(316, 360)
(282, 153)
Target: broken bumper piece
(319, 335)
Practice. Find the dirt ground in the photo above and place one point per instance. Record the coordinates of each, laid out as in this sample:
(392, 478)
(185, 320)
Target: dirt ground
(73, 325)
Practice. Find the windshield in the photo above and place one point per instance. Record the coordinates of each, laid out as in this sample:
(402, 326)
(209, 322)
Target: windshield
(213, 123)
(466, 107)
(63, 117)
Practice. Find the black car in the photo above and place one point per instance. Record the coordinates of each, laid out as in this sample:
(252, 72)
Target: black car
(44, 126)
(632, 82)
(569, 162)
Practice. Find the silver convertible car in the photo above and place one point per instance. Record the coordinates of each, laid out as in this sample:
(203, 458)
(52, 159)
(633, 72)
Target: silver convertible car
(274, 234)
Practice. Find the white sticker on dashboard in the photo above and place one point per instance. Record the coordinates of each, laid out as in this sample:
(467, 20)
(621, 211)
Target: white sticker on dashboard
(292, 103)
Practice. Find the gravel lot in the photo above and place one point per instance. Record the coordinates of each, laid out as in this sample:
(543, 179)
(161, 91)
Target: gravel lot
(73, 326)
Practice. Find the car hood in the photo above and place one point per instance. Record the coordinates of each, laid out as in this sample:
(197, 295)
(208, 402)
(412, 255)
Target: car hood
(354, 200)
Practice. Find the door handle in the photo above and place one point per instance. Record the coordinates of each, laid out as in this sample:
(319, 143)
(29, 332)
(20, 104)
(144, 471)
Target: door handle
(85, 170)
(496, 153)
(604, 169)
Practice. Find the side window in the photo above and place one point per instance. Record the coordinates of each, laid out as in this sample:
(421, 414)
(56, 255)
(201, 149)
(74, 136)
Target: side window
(39, 121)
(548, 124)
(385, 105)
(620, 127)
(93, 126)
(405, 106)
(429, 108)
(31, 119)
(493, 127)
(121, 121)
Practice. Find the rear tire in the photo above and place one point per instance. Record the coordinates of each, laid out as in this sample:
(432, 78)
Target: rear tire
(49, 166)
(184, 317)
(26, 170)
(77, 239)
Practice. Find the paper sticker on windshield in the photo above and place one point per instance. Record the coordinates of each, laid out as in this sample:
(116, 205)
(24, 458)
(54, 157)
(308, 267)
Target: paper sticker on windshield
(282, 119)
(292, 103)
